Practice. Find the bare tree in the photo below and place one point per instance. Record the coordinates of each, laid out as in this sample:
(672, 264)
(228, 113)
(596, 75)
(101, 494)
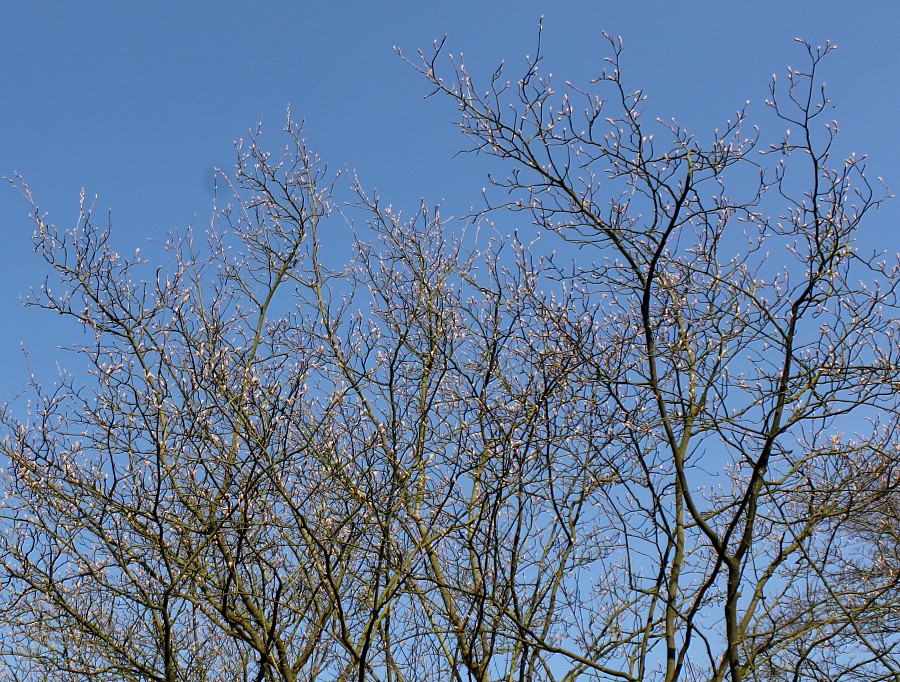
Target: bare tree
(673, 458)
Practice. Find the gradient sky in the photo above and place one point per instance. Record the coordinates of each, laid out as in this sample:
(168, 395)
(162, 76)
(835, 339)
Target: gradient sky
(137, 102)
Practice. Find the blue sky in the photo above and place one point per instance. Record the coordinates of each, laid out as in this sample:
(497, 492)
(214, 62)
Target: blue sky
(137, 102)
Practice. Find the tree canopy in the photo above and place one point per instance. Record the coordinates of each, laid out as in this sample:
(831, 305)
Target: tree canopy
(665, 451)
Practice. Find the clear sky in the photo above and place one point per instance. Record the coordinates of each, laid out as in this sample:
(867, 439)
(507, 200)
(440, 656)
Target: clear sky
(137, 102)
